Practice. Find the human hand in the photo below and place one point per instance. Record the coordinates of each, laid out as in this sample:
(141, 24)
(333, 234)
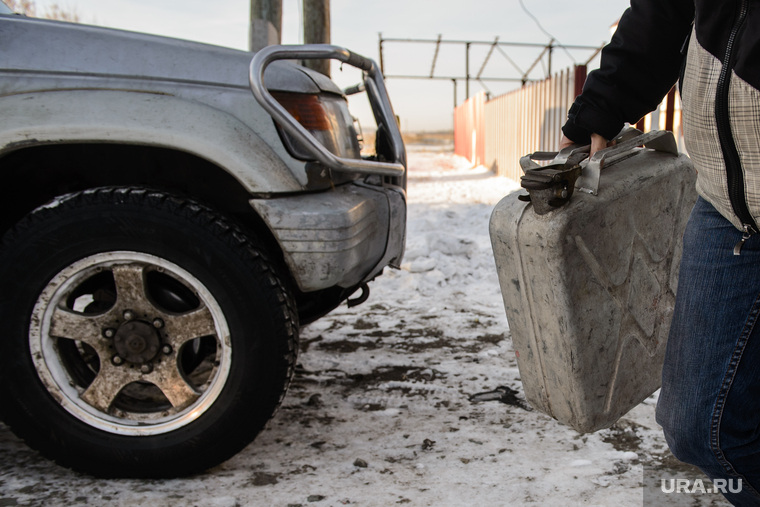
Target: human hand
(597, 143)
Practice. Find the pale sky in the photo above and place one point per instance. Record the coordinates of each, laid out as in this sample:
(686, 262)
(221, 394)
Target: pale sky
(355, 24)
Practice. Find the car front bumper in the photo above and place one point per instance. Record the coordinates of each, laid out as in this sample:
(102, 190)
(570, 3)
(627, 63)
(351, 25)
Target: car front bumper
(341, 237)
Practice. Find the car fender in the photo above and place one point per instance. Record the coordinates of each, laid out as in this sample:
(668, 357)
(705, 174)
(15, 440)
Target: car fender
(127, 117)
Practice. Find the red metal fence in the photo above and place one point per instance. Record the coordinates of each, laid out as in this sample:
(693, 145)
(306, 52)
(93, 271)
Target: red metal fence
(470, 129)
(496, 133)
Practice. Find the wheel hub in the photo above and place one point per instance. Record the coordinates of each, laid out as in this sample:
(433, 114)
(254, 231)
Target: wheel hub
(119, 367)
(137, 342)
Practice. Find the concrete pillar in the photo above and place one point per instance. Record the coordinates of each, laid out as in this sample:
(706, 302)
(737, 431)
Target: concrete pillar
(316, 30)
(266, 23)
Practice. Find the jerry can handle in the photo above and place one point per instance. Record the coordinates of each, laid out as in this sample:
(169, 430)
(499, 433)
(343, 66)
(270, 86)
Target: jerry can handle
(574, 151)
(556, 157)
(626, 144)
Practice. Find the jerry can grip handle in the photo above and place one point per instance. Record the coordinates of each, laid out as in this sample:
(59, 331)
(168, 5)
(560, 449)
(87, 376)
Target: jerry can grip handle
(626, 144)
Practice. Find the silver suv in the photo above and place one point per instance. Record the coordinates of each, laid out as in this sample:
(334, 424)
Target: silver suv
(172, 213)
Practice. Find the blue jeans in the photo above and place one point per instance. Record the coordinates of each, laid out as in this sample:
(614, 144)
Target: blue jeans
(709, 406)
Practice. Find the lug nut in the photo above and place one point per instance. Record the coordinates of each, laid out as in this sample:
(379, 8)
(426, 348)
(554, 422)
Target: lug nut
(128, 315)
(158, 323)
(146, 368)
(166, 349)
(117, 360)
(109, 333)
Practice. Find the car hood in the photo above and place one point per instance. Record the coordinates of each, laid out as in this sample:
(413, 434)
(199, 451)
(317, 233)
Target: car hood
(104, 57)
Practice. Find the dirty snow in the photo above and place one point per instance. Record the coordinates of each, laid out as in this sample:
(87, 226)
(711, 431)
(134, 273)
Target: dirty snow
(411, 398)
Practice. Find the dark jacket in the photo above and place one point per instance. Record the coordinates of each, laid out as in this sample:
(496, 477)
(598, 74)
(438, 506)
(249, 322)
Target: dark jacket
(720, 83)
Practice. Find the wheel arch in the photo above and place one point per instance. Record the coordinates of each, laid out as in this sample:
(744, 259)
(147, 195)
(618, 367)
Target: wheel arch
(57, 142)
(150, 119)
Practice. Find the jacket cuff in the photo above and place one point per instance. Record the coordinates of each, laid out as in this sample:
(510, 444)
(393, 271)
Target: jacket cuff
(576, 134)
(583, 120)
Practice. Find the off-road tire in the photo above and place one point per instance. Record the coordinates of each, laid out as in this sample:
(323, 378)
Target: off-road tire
(144, 334)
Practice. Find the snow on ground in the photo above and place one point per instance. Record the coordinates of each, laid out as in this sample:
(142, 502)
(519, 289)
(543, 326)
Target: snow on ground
(380, 410)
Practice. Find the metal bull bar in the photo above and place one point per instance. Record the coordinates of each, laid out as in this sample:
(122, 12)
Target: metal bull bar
(378, 97)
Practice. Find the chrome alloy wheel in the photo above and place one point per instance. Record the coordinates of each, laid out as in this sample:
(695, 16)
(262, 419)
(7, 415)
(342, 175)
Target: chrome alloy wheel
(130, 343)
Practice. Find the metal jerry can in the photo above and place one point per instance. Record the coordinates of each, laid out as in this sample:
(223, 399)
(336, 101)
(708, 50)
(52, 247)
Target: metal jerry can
(589, 277)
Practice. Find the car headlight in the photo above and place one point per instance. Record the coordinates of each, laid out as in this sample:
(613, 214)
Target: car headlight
(327, 117)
